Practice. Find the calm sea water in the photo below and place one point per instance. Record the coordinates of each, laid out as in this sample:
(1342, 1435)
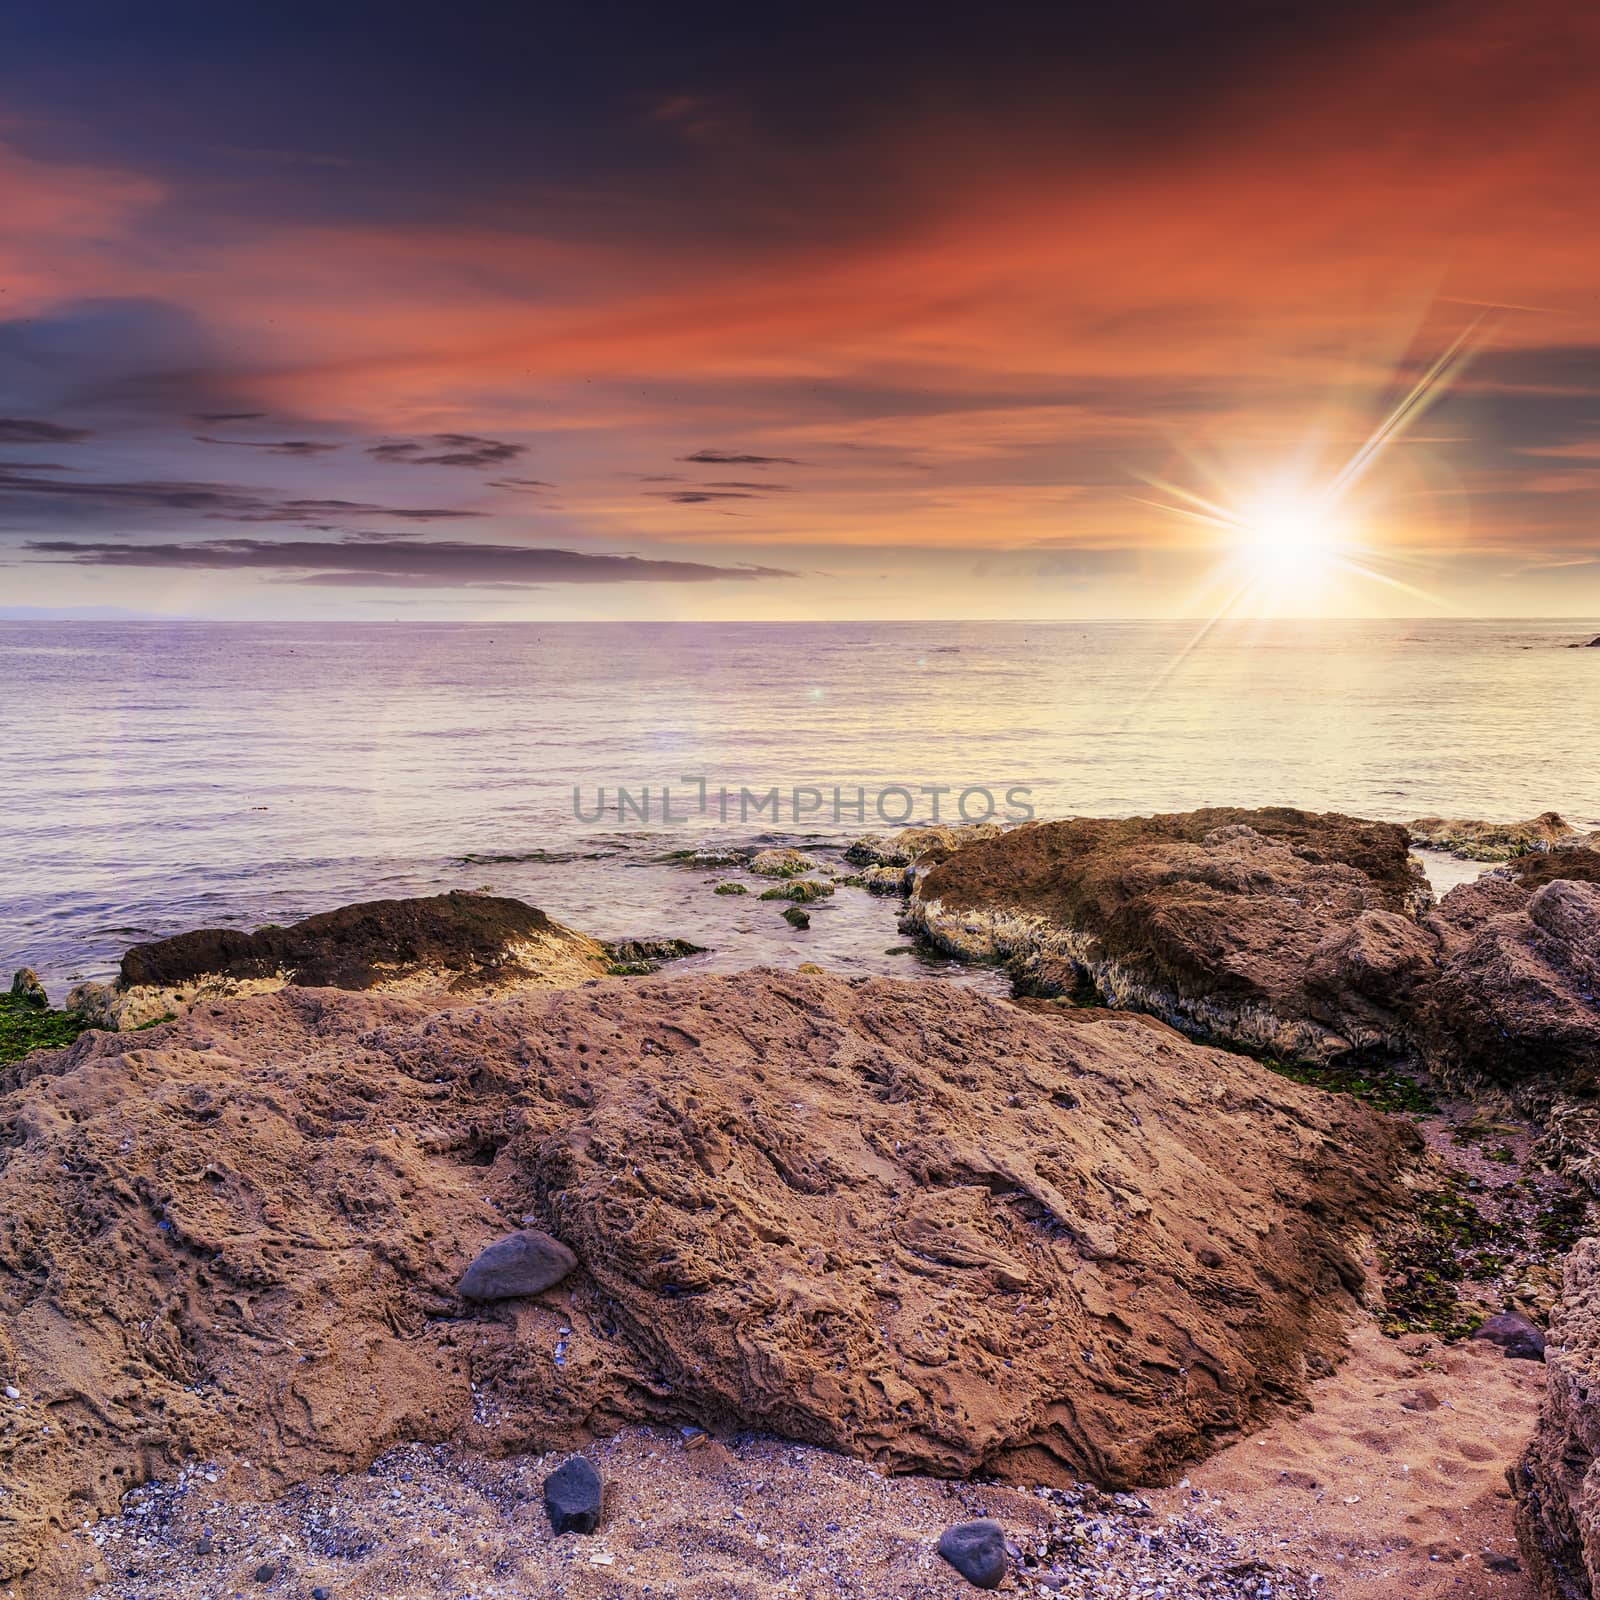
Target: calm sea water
(159, 777)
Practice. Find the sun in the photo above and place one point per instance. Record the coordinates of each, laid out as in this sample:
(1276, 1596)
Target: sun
(1289, 538)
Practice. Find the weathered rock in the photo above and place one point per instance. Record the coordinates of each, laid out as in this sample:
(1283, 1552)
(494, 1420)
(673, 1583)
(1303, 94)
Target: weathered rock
(636, 957)
(1557, 1482)
(782, 864)
(573, 1495)
(977, 1550)
(886, 880)
(522, 1263)
(456, 944)
(927, 845)
(1518, 997)
(796, 918)
(25, 986)
(1276, 929)
(803, 891)
(894, 1218)
(1494, 841)
(1515, 1334)
(731, 887)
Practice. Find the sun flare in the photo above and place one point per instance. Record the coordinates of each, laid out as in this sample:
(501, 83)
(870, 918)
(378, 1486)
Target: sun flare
(1289, 538)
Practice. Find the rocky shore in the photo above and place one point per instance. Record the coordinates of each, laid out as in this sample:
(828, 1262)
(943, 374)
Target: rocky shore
(447, 1180)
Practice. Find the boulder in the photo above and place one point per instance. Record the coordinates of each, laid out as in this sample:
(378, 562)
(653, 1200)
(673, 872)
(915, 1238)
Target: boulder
(573, 1494)
(522, 1263)
(796, 918)
(1517, 1000)
(782, 864)
(803, 891)
(897, 1219)
(977, 1550)
(1276, 930)
(1557, 1483)
(455, 944)
(1494, 841)
(26, 988)
(1515, 1334)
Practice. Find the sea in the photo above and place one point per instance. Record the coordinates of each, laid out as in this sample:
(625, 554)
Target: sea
(164, 776)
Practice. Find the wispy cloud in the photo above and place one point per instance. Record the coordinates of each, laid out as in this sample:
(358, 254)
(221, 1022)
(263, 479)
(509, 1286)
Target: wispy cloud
(277, 447)
(228, 502)
(22, 430)
(448, 450)
(453, 563)
(736, 458)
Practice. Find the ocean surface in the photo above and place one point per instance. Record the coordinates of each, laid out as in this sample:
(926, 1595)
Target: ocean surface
(162, 776)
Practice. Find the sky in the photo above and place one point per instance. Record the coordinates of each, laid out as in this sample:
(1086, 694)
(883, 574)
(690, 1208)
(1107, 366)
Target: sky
(784, 312)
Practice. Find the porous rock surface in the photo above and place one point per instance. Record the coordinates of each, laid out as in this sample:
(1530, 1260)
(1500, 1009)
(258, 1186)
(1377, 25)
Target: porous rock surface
(1557, 1483)
(454, 942)
(897, 1219)
(1281, 930)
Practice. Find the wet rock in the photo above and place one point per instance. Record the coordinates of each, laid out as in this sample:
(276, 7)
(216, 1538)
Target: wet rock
(573, 1495)
(782, 864)
(632, 958)
(266, 1572)
(25, 986)
(803, 891)
(796, 918)
(886, 880)
(730, 888)
(1494, 841)
(522, 1263)
(1515, 1334)
(977, 1550)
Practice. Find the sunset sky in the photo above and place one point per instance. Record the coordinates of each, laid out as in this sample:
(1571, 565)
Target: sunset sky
(870, 311)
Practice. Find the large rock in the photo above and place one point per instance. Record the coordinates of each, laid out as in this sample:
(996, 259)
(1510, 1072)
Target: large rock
(1279, 930)
(456, 943)
(1495, 841)
(1517, 1000)
(897, 1219)
(1557, 1483)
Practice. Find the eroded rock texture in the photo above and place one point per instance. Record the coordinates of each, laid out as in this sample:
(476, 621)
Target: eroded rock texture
(1275, 929)
(893, 1218)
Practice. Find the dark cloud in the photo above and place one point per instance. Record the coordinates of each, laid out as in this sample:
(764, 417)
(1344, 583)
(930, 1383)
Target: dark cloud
(229, 416)
(519, 483)
(448, 450)
(278, 447)
(21, 430)
(345, 561)
(733, 458)
(698, 497)
(759, 488)
(31, 493)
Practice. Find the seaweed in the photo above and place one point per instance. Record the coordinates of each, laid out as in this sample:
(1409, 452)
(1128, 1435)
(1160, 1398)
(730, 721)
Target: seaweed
(26, 1025)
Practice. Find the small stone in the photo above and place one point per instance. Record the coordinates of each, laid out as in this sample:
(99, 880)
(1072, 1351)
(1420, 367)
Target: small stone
(205, 1547)
(977, 1550)
(266, 1572)
(1502, 1563)
(520, 1264)
(572, 1496)
(795, 917)
(13, 1392)
(319, 1593)
(1515, 1334)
